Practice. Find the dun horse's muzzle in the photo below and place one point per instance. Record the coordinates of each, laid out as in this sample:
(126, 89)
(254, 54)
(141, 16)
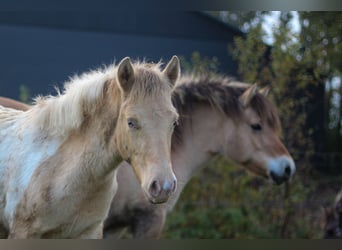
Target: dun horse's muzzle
(281, 169)
(283, 178)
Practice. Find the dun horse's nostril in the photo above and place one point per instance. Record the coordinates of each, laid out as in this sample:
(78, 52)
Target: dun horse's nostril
(287, 171)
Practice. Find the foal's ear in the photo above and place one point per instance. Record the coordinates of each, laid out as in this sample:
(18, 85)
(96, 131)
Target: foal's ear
(172, 70)
(264, 91)
(125, 74)
(248, 95)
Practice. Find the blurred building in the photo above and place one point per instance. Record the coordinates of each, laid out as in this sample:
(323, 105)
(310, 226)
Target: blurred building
(40, 50)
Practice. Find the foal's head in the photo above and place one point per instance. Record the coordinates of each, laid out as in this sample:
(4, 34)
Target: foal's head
(145, 124)
(256, 143)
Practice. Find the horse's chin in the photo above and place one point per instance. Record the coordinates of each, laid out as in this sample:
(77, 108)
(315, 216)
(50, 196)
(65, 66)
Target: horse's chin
(278, 180)
(154, 200)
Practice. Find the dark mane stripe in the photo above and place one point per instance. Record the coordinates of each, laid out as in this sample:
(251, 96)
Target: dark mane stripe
(222, 94)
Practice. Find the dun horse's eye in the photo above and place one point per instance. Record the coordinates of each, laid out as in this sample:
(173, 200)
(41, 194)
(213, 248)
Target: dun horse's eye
(175, 123)
(132, 123)
(256, 127)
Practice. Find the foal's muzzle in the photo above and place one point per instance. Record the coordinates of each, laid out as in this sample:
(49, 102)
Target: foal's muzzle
(160, 191)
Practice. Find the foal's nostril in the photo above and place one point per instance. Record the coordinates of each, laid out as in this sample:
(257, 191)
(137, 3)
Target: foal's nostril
(155, 189)
(287, 171)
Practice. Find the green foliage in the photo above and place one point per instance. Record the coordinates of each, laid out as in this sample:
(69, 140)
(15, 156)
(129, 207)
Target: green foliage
(250, 55)
(24, 94)
(224, 201)
(199, 65)
(321, 41)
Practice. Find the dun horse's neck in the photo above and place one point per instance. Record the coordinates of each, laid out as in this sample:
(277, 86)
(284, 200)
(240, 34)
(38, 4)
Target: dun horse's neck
(197, 147)
(187, 160)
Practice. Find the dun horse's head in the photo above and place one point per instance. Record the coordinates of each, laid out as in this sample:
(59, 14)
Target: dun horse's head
(256, 143)
(145, 124)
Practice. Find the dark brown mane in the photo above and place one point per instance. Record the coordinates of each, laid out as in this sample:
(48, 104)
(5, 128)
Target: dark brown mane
(222, 94)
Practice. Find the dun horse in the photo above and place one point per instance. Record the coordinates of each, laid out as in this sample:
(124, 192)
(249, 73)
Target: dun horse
(332, 219)
(57, 158)
(217, 117)
(9, 103)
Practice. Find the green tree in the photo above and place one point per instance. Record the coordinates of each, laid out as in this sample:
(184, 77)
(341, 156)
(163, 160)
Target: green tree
(24, 94)
(198, 64)
(321, 46)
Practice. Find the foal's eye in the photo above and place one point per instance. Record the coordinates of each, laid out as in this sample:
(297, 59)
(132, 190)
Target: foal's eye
(175, 123)
(256, 127)
(132, 123)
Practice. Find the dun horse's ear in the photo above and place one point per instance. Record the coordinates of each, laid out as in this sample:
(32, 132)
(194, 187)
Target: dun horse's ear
(264, 91)
(338, 206)
(125, 74)
(248, 95)
(338, 201)
(324, 210)
(323, 217)
(172, 70)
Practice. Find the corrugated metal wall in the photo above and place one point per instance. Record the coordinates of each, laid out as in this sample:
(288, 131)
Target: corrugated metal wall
(40, 50)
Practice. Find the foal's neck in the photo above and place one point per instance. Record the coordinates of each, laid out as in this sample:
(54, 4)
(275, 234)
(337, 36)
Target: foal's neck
(99, 131)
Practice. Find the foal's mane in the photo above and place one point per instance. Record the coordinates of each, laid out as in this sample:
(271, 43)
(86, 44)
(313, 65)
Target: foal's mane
(8, 115)
(82, 95)
(222, 94)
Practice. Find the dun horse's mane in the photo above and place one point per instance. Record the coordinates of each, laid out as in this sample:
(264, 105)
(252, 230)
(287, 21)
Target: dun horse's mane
(222, 93)
(83, 94)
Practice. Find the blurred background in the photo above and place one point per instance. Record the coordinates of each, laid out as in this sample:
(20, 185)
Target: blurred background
(41, 49)
(298, 54)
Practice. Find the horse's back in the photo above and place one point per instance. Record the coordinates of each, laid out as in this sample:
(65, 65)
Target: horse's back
(8, 114)
(22, 148)
(10, 103)
(8, 118)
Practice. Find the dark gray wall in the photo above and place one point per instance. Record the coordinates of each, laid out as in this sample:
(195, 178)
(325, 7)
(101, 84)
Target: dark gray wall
(41, 50)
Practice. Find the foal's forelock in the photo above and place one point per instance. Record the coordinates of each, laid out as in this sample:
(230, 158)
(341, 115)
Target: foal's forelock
(149, 83)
